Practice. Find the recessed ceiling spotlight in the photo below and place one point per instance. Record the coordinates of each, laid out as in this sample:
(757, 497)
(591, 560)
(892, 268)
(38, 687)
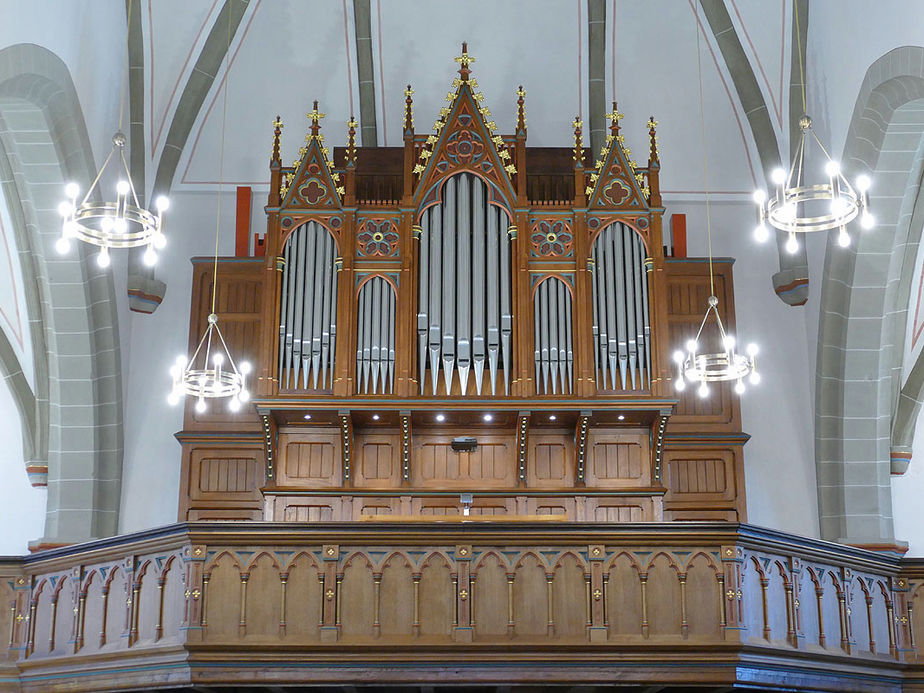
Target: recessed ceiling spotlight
(552, 417)
(621, 417)
(488, 417)
(441, 417)
(307, 417)
(375, 417)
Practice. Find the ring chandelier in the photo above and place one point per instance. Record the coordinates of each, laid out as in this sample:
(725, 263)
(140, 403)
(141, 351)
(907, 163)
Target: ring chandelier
(727, 365)
(799, 207)
(208, 378)
(724, 366)
(120, 224)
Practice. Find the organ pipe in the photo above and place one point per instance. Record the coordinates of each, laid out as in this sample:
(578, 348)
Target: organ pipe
(554, 351)
(375, 341)
(465, 318)
(308, 310)
(621, 325)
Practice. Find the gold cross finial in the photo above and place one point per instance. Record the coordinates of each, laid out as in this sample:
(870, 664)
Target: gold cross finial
(464, 61)
(315, 117)
(277, 123)
(408, 91)
(614, 117)
(521, 92)
(652, 123)
(577, 123)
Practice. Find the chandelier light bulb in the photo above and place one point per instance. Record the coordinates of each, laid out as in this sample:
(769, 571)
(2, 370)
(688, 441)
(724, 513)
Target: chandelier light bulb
(839, 206)
(440, 417)
(678, 357)
(755, 378)
(102, 258)
(106, 224)
(679, 384)
(72, 190)
(843, 238)
(832, 168)
(728, 342)
(234, 404)
(778, 176)
(691, 346)
(752, 350)
(703, 390)
(792, 245)
(119, 225)
(761, 233)
(739, 388)
(65, 209)
(218, 359)
(867, 221)
(760, 196)
(200, 405)
(122, 187)
(244, 395)
(181, 360)
(244, 368)
(160, 240)
(162, 203)
(150, 257)
(63, 246)
(863, 183)
(173, 399)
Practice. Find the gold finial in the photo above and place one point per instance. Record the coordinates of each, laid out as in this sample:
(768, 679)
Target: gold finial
(653, 137)
(315, 118)
(351, 141)
(577, 123)
(615, 117)
(464, 61)
(277, 131)
(521, 109)
(408, 110)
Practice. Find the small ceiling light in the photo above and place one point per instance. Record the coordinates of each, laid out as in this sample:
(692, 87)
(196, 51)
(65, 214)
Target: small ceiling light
(621, 417)
(375, 417)
(307, 417)
(488, 417)
(440, 417)
(552, 417)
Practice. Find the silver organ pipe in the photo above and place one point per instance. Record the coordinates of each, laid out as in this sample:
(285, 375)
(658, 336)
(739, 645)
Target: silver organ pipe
(621, 326)
(464, 319)
(554, 351)
(375, 337)
(308, 310)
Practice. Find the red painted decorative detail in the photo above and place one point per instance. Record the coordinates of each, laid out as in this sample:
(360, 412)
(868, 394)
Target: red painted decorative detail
(616, 193)
(551, 238)
(377, 238)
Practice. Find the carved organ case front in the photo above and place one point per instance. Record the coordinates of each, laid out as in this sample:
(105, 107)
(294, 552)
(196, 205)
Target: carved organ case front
(468, 315)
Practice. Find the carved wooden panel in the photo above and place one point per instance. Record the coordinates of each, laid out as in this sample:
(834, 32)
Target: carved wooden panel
(309, 459)
(490, 465)
(550, 460)
(618, 459)
(221, 482)
(378, 460)
(699, 475)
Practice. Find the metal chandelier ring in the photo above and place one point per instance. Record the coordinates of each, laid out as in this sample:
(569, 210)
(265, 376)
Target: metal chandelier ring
(780, 219)
(142, 225)
(210, 383)
(716, 367)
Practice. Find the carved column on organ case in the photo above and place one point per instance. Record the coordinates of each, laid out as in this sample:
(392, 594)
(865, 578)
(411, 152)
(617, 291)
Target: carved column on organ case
(904, 639)
(522, 305)
(193, 562)
(597, 631)
(19, 615)
(732, 596)
(464, 629)
(330, 628)
(406, 330)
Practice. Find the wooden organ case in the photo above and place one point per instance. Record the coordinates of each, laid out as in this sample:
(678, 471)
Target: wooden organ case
(463, 315)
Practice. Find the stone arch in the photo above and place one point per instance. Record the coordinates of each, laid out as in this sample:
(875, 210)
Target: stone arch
(864, 307)
(38, 102)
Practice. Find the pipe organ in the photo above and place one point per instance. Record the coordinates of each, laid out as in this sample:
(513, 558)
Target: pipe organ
(308, 309)
(466, 286)
(464, 319)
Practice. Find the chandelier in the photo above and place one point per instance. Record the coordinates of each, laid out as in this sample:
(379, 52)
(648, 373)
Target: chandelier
(120, 224)
(727, 365)
(800, 207)
(207, 377)
(723, 366)
(211, 372)
(797, 206)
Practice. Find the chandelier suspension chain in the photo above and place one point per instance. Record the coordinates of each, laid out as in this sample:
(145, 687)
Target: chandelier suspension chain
(702, 123)
(221, 155)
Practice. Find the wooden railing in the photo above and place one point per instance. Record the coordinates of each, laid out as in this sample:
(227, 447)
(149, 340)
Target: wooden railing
(212, 603)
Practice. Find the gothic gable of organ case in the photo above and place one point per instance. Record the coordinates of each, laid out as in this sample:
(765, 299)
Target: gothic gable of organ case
(467, 286)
